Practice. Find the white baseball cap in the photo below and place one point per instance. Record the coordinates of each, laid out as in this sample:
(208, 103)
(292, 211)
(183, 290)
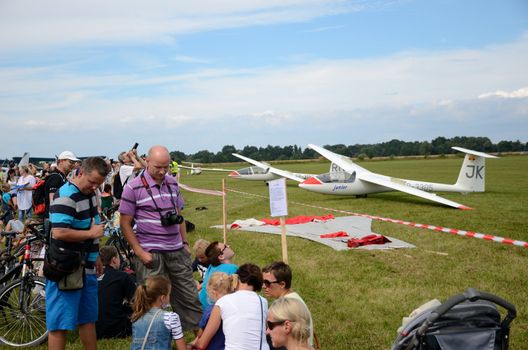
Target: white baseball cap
(68, 155)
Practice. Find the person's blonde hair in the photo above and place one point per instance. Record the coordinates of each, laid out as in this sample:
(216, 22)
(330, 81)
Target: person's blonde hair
(293, 310)
(221, 283)
(147, 294)
(200, 246)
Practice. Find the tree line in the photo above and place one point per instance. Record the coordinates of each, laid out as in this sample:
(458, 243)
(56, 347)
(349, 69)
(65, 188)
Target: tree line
(392, 148)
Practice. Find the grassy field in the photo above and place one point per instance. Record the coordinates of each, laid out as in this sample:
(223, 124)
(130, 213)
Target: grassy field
(358, 298)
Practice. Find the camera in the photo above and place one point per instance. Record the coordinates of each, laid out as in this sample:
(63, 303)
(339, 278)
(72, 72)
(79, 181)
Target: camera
(171, 218)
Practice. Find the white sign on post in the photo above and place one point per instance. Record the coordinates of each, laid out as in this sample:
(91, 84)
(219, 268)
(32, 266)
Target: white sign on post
(278, 200)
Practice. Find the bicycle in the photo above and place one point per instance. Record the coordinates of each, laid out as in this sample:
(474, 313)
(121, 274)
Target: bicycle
(117, 240)
(23, 305)
(10, 266)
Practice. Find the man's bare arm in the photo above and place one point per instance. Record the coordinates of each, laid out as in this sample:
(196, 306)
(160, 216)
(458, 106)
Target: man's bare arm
(128, 232)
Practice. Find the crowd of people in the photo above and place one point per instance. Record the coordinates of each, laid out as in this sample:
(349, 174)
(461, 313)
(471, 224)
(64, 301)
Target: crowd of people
(212, 298)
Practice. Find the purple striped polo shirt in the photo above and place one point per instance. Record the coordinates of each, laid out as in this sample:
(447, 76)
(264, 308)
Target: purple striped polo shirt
(136, 202)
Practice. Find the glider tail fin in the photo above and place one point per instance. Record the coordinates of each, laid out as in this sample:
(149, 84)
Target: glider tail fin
(472, 176)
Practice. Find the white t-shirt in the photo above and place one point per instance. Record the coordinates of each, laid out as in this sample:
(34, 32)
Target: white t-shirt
(244, 316)
(172, 323)
(16, 225)
(126, 172)
(24, 197)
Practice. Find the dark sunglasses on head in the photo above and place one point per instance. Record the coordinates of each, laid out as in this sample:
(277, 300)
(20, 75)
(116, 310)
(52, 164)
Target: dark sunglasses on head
(269, 283)
(225, 247)
(272, 325)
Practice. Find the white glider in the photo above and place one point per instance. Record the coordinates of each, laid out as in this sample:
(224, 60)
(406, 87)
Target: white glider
(264, 172)
(198, 170)
(348, 178)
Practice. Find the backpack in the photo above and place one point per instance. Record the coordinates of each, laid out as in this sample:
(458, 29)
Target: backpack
(117, 186)
(39, 197)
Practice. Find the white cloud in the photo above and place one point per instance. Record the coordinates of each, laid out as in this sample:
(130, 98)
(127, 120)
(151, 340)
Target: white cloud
(520, 93)
(323, 29)
(30, 24)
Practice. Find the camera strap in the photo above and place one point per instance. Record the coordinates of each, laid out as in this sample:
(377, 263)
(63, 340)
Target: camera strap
(149, 191)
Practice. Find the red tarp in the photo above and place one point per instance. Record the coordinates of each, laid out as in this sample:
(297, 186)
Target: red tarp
(298, 220)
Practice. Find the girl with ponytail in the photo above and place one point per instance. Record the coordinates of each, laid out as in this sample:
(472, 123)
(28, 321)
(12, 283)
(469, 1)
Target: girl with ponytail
(153, 328)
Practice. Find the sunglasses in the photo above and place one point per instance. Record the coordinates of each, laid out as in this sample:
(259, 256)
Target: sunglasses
(269, 283)
(225, 247)
(272, 325)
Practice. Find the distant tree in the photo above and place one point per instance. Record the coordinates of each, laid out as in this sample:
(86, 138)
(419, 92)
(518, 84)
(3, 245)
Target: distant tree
(227, 152)
(425, 148)
(178, 156)
(251, 152)
(202, 157)
(440, 145)
(309, 153)
(392, 148)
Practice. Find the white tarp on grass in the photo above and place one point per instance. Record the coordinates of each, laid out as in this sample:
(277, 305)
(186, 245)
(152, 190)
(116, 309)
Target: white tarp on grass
(355, 226)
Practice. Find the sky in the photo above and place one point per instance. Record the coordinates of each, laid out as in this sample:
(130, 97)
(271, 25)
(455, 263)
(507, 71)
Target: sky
(94, 77)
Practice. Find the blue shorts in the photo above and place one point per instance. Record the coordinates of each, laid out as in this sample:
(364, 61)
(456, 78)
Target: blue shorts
(65, 310)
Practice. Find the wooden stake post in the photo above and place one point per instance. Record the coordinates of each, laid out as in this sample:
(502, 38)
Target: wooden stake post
(224, 210)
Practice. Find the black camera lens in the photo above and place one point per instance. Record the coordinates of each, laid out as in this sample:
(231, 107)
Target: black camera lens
(171, 218)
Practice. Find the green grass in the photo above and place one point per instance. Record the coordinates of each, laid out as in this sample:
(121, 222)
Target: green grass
(357, 297)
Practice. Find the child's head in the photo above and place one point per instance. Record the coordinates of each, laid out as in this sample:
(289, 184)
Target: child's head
(199, 248)
(108, 253)
(148, 293)
(217, 253)
(107, 188)
(220, 284)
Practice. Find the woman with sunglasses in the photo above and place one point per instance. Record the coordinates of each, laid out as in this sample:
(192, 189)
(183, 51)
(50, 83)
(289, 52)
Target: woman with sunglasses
(278, 284)
(242, 314)
(288, 324)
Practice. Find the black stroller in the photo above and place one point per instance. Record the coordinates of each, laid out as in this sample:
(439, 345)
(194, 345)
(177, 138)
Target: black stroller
(468, 321)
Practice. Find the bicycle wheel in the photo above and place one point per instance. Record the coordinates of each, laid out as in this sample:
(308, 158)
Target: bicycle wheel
(23, 313)
(122, 249)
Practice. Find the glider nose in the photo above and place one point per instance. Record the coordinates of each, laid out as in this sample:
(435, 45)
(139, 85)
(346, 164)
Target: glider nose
(310, 181)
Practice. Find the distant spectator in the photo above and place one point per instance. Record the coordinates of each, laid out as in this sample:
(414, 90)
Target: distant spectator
(25, 184)
(107, 200)
(131, 163)
(7, 208)
(116, 290)
(11, 181)
(13, 225)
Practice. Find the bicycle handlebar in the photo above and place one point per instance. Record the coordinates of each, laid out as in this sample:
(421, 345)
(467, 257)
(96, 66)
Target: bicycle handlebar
(9, 233)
